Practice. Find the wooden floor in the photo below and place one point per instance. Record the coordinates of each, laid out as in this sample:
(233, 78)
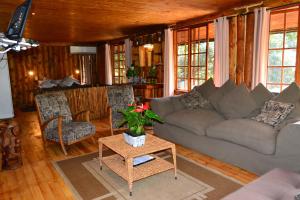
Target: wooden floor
(37, 179)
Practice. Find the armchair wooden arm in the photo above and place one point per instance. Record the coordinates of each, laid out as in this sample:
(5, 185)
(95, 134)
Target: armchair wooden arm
(86, 114)
(45, 124)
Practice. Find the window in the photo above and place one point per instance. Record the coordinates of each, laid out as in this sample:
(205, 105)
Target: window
(194, 56)
(118, 64)
(282, 49)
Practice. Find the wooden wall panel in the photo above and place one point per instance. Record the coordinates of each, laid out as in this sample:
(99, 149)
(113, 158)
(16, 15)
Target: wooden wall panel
(232, 47)
(249, 50)
(92, 98)
(51, 62)
(241, 28)
(241, 49)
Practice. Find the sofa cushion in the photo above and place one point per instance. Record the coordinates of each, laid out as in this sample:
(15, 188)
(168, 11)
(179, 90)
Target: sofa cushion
(177, 103)
(274, 112)
(162, 106)
(217, 95)
(261, 94)
(257, 136)
(194, 100)
(291, 94)
(238, 103)
(207, 88)
(195, 121)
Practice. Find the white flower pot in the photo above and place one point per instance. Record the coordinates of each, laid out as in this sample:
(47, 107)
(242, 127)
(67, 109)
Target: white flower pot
(137, 141)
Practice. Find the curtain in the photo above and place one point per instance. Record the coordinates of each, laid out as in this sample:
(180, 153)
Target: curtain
(108, 67)
(128, 52)
(221, 71)
(260, 47)
(168, 64)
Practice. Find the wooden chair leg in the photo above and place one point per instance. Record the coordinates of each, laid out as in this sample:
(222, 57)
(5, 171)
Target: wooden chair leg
(63, 148)
(93, 140)
(45, 143)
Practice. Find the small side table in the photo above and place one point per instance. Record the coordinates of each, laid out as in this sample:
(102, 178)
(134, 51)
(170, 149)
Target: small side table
(10, 146)
(128, 153)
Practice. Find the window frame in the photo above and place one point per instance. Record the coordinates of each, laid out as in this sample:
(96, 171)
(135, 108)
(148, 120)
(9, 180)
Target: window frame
(283, 48)
(189, 42)
(121, 79)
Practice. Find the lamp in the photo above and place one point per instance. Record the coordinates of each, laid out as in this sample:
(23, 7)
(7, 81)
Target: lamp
(149, 47)
(77, 71)
(30, 73)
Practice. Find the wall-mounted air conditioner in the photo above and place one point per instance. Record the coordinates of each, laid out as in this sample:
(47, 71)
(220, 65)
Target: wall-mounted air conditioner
(83, 50)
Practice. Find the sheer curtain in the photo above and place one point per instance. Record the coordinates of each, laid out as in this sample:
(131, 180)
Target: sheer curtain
(108, 73)
(260, 47)
(128, 52)
(168, 64)
(221, 71)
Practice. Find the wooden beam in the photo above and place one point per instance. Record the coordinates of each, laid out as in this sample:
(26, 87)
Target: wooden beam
(229, 12)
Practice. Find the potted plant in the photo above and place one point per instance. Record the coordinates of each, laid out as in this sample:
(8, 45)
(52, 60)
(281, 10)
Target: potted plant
(137, 117)
(131, 73)
(152, 74)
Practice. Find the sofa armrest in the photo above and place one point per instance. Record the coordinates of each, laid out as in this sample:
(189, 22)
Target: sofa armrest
(288, 140)
(162, 106)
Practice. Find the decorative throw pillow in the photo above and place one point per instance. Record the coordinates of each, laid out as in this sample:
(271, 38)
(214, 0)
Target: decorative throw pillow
(216, 96)
(274, 112)
(207, 88)
(194, 100)
(238, 103)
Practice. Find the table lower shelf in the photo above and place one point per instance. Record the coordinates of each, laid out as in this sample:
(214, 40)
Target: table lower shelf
(117, 164)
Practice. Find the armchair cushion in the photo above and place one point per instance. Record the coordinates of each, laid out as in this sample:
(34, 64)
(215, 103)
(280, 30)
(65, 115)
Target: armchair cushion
(71, 132)
(51, 105)
(118, 99)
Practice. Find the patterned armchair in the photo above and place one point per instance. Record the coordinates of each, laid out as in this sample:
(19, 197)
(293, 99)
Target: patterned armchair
(57, 123)
(119, 96)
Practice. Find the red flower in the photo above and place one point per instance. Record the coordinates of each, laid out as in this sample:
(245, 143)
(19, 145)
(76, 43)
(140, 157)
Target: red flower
(146, 107)
(139, 110)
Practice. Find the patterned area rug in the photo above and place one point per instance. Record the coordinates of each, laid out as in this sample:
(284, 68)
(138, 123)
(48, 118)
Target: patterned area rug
(194, 182)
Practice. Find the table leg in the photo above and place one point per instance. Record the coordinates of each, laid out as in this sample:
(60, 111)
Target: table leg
(129, 162)
(100, 154)
(174, 160)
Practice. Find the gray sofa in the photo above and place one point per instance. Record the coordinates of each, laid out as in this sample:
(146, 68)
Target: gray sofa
(244, 142)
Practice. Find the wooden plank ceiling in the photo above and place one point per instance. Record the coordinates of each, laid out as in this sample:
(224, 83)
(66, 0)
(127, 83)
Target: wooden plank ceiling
(71, 21)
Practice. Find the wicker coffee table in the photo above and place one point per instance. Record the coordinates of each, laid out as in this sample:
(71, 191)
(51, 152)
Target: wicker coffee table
(126, 152)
